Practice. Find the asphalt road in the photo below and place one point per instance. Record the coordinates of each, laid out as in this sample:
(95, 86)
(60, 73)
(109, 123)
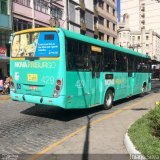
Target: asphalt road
(27, 129)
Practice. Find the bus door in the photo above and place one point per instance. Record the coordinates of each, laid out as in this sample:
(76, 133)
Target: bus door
(131, 75)
(96, 59)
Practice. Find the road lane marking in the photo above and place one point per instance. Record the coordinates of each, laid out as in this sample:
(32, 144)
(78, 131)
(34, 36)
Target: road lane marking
(54, 145)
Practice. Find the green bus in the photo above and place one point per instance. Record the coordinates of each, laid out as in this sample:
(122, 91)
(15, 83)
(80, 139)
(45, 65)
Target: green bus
(57, 67)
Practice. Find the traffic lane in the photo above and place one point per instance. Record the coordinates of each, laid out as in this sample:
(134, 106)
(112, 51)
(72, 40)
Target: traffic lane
(37, 127)
(110, 121)
(58, 113)
(29, 128)
(71, 114)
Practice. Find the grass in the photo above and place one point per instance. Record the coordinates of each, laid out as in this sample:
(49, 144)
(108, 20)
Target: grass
(143, 134)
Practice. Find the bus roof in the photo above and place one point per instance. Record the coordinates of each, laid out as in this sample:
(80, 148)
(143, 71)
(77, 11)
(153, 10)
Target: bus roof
(101, 43)
(87, 39)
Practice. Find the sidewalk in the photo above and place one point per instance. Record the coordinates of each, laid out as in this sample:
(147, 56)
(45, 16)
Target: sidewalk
(4, 97)
(104, 136)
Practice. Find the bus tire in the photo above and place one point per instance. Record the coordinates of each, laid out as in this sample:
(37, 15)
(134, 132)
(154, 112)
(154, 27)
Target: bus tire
(108, 101)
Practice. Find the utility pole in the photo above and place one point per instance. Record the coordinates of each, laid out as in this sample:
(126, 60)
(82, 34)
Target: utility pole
(65, 17)
(33, 14)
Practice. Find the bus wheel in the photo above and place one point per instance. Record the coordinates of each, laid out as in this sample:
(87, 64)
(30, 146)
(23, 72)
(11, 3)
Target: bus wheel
(108, 101)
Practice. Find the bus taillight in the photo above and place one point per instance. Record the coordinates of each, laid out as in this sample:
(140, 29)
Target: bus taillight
(58, 88)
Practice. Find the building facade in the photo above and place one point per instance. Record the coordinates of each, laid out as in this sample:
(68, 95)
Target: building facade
(96, 18)
(139, 29)
(79, 16)
(105, 20)
(5, 32)
(36, 13)
(146, 42)
(144, 14)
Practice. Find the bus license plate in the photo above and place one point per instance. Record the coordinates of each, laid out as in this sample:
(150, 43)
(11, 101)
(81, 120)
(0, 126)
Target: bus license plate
(32, 77)
(33, 87)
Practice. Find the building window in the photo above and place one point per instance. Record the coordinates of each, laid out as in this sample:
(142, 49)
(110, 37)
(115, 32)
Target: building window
(23, 2)
(101, 36)
(101, 20)
(138, 38)
(41, 6)
(147, 37)
(82, 16)
(4, 38)
(95, 2)
(19, 24)
(108, 38)
(101, 4)
(114, 41)
(3, 7)
(56, 12)
(107, 8)
(107, 23)
(114, 12)
(114, 27)
(133, 38)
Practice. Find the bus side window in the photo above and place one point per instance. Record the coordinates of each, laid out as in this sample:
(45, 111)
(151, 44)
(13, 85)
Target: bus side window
(109, 60)
(130, 63)
(121, 60)
(82, 56)
(138, 64)
(70, 54)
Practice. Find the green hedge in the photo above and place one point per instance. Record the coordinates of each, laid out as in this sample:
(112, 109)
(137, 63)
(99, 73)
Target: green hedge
(145, 133)
(154, 117)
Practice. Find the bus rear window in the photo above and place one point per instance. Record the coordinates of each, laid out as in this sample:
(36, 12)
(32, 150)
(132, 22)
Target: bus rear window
(49, 37)
(36, 44)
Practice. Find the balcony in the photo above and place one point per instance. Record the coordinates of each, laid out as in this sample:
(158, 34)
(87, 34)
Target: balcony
(109, 16)
(5, 22)
(106, 30)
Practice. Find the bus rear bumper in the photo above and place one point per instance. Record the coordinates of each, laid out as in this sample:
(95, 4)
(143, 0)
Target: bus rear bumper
(59, 101)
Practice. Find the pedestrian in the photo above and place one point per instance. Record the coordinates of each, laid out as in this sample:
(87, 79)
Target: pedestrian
(6, 86)
(1, 84)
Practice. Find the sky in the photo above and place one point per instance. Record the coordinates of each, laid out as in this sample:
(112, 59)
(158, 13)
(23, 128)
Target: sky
(118, 9)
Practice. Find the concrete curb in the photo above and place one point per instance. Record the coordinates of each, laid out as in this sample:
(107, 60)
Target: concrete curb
(4, 97)
(134, 154)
